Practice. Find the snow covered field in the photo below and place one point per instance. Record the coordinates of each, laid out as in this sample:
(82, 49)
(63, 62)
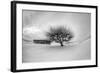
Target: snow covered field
(46, 53)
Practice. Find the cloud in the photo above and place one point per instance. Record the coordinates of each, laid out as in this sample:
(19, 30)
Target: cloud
(33, 32)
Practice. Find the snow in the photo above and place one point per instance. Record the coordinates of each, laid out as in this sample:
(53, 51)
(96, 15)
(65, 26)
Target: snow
(46, 53)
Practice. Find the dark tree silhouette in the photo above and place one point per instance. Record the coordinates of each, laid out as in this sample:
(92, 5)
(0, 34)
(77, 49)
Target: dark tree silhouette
(59, 35)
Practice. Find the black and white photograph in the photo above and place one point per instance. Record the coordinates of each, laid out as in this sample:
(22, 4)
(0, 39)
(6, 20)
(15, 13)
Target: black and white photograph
(51, 36)
(55, 36)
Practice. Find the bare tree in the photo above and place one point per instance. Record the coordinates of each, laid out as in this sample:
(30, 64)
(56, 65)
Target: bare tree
(59, 35)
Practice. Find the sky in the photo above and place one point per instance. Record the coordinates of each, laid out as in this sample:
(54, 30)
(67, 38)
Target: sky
(36, 23)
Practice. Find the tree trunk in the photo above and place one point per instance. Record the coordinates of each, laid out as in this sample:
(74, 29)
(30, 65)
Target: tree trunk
(61, 43)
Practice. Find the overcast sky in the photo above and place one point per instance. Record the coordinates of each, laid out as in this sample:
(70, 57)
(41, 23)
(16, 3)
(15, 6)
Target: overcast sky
(36, 23)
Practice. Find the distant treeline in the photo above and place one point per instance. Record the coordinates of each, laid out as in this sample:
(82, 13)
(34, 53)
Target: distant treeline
(42, 41)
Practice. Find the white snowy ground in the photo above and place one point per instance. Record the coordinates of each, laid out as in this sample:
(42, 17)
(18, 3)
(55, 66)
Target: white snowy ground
(45, 53)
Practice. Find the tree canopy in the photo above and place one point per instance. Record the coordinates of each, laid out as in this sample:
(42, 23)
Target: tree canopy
(59, 34)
